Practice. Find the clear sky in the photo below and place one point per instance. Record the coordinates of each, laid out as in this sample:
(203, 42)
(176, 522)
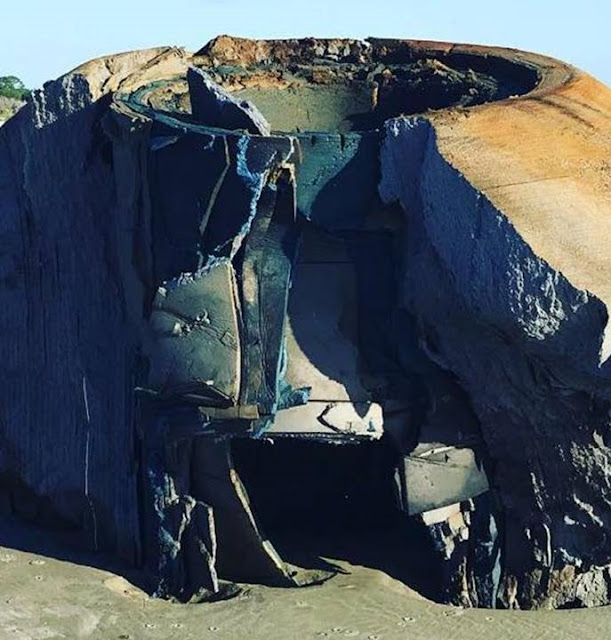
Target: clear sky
(41, 39)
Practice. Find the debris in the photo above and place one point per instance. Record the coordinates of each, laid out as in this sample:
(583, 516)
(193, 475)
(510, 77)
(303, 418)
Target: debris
(212, 106)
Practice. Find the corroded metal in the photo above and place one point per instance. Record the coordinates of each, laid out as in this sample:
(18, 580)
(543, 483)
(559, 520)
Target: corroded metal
(314, 242)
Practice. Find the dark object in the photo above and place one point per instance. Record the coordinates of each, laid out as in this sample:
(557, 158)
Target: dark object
(206, 254)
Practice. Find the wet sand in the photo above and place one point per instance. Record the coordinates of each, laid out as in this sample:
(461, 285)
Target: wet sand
(58, 594)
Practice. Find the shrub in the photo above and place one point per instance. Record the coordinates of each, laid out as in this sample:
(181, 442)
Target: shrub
(12, 87)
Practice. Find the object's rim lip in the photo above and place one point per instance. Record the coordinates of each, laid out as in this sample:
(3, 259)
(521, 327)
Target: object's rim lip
(552, 71)
(553, 74)
(183, 124)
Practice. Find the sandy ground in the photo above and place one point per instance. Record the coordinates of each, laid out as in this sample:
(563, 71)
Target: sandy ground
(59, 595)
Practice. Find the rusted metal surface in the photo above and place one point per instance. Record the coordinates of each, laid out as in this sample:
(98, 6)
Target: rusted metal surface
(359, 243)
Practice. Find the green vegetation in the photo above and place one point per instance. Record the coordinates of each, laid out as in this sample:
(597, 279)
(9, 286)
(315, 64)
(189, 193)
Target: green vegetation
(11, 87)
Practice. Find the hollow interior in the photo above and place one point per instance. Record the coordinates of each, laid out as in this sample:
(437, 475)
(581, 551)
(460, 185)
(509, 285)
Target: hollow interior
(322, 95)
(345, 97)
(319, 503)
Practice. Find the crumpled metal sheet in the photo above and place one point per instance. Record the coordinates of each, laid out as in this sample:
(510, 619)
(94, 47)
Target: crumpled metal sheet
(438, 475)
(194, 343)
(243, 212)
(213, 106)
(277, 313)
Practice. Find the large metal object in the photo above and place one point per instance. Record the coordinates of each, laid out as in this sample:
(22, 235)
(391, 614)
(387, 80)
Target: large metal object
(261, 242)
(287, 327)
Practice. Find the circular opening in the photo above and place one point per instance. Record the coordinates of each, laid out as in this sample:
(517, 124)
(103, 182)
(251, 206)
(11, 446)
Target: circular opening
(305, 94)
(346, 97)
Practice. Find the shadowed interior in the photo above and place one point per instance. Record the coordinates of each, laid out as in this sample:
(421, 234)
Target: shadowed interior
(320, 502)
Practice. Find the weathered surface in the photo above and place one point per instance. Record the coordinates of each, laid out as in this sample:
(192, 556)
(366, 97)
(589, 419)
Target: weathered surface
(211, 105)
(73, 219)
(173, 273)
(508, 206)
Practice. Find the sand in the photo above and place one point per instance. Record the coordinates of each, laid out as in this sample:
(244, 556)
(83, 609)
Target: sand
(59, 594)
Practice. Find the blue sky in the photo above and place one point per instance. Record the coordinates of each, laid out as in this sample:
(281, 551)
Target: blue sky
(41, 39)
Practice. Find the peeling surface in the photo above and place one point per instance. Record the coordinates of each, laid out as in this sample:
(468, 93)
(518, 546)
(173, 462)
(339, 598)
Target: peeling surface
(312, 242)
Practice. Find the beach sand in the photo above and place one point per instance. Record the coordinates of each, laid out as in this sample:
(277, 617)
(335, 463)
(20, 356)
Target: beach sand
(60, 594)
